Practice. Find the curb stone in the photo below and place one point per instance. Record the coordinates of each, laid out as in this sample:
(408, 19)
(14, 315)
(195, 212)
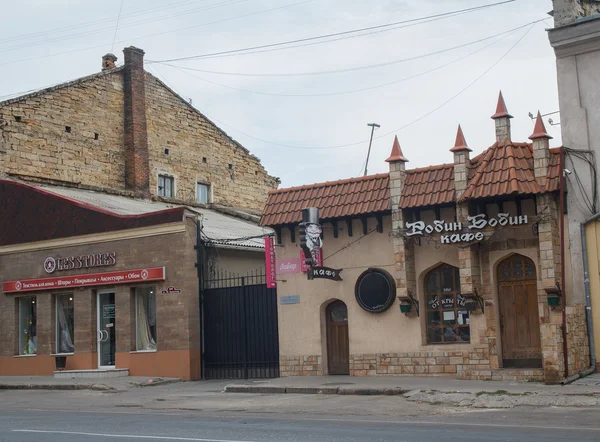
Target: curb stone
(96, 387)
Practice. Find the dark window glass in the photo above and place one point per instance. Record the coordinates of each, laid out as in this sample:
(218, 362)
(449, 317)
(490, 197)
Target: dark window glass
(375, 290)
(447, 319)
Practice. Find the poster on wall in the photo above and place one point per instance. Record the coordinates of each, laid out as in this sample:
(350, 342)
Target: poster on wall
(270, 262)
(317, 255)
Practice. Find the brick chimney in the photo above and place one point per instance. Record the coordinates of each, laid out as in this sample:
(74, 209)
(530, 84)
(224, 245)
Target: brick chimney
(108, 62)
(541, 150)
(137, 169)
(502, 119)
(462, 163)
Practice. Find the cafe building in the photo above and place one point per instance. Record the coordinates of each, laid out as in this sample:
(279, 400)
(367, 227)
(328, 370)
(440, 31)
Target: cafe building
(108, 285)
(453, 269)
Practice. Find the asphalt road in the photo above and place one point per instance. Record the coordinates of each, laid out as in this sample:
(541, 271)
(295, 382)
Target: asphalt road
(86, 416)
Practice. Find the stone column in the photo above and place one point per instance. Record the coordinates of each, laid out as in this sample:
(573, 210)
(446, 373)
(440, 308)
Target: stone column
(403, 252)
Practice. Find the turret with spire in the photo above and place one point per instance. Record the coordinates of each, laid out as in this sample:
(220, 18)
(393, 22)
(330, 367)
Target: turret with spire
(502, 119)
(462, 162)
(541, 150)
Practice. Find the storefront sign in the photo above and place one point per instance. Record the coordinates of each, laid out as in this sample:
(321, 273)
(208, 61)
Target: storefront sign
(477, 222)
(171, 290)
(325, 273)
(270, 262)
(80, 262)
(295, 299)
(92, 279)
(288, 266)
(317, 255)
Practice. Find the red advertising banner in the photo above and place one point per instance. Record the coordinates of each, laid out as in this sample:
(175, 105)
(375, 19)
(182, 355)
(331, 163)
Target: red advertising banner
(317, 255)
(270, 262)
(90, 279)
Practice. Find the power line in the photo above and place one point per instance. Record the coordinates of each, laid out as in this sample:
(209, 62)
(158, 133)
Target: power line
(160, 33)
(390, 132)
(117, 26)
(100, 31)
(352, 91)
(387, 25)
(352, 69)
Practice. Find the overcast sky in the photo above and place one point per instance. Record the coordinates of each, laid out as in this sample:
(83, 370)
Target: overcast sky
(310, 111)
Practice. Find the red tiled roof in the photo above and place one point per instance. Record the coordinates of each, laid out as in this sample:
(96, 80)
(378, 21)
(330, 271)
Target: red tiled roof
(428, 186)
(336, 199)
(504, 169)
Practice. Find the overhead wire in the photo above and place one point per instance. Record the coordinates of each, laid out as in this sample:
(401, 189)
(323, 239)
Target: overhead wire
(335, 34)
(117, 26)
(326, 94)
(453, 97)
(350, 69)
(160, 33)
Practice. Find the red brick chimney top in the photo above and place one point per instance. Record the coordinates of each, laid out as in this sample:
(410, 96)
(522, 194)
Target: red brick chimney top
(461, 144)
(396, 154)
(108, 62)
(501, 111)
(539, 131)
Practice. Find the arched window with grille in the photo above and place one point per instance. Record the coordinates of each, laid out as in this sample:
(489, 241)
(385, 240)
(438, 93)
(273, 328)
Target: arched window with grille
(447, 317)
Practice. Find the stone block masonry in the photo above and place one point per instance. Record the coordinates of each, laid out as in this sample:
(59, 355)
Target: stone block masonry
(74, 134)
(300, 366)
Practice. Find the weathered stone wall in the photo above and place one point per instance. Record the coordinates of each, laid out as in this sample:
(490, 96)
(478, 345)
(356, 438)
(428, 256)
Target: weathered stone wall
(300, 366)
(567, 11)
(200, 152)
(35, 140)
(75, 134)
(577, 340)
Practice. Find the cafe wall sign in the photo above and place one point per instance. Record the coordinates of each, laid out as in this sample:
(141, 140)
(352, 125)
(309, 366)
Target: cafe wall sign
(454, 232)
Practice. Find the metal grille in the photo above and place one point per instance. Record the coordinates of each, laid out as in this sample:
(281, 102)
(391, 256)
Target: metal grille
(241, 338)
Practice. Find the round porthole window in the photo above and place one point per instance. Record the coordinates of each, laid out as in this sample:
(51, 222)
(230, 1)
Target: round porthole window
(375, 290)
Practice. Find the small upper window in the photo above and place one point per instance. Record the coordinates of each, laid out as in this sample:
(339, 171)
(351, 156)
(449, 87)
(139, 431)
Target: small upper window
(166, 186)
(202, 193)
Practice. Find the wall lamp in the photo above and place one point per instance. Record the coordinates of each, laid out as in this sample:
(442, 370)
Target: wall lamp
(474, 302)
(407, 302)
(553, 294)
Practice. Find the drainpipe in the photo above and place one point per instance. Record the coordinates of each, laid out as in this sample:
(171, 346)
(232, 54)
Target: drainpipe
(561, 220)
(200, 271)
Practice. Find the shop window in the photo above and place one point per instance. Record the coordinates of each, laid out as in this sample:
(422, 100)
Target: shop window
(27, 326)
(166, 186)
(145, 309)
(447, 316)
(202, 193)
(65, 324)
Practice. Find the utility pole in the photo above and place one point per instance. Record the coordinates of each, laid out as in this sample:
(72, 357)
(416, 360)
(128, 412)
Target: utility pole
(373, 126)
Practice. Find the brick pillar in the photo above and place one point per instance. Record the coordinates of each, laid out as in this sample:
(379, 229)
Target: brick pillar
(84, 307)
(403, 253)
(137, 169)
(541, 151)
(502, 120)
(550, 269)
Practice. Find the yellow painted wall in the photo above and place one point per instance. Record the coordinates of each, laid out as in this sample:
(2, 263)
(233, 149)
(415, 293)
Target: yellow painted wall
(593, 245)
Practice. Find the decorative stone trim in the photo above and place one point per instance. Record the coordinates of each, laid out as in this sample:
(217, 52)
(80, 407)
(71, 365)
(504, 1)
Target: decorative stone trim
(300, 366)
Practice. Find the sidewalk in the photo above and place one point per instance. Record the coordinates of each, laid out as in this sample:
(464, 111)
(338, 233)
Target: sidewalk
(435, 390)
(108, 384)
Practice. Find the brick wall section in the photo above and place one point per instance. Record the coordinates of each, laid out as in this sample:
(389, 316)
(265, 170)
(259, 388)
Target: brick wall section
(577, 340)
(136, 134)
(38, 145)
(300, 366)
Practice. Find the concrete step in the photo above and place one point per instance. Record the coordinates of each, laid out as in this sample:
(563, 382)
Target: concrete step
(503, 374)
(91, 374)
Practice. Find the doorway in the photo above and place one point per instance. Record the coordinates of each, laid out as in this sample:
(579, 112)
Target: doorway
(519, 319)
(338, 348)
(106, 333)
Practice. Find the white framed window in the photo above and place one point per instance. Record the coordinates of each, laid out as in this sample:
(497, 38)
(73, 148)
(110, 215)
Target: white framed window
(65, 324)
(145, 318)
(202, 193)
(166, 186)
(27, 326)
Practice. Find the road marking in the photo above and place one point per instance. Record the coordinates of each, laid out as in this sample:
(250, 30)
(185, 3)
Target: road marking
(128, 436)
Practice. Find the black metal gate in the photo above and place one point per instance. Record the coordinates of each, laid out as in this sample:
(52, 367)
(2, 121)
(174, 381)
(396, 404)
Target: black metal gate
(241, 338)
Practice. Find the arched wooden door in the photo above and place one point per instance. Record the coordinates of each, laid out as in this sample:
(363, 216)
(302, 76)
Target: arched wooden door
(338, 348)
(519, 319)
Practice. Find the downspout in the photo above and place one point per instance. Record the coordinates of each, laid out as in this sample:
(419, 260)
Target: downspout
(561, 220)
(200, 264)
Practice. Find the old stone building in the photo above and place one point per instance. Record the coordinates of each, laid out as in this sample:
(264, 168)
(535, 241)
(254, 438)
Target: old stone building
(120, 203)
(123, 129)
(468, 254)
